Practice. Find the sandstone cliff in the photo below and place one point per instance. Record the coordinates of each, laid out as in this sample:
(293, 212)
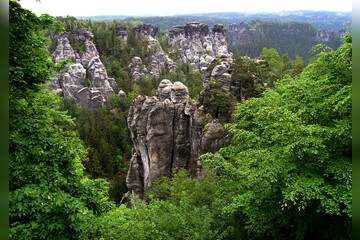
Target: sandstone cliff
(86, 81)
(159, 58)
(169, 132)
(194, 43)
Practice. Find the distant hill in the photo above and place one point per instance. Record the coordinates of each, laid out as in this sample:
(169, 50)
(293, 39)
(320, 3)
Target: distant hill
(328, 20)
(292, 38)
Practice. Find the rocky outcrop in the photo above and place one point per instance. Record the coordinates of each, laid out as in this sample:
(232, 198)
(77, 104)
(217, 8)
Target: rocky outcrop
(327, 36)
(146, 30)
(159, 58)
(86, 81)
(237, 27)
(121, 32)
(138, 70)
(341, 33)
(63, 49)
(169, 132)
(194, 43)
(122, 95)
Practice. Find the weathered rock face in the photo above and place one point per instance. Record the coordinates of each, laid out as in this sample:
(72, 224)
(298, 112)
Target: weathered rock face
(138, 70)
(197, 45)
(63, 49)
(169, 133)
(122, 95)
(159, 58)
(219, 40)
(326, 36)
(240, 27)
(121, 32)
(86, 81)
(146, 30)
(341, 33)
(193, 43)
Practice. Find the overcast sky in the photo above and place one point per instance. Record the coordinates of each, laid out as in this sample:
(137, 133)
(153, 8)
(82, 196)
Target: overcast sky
(169, 7)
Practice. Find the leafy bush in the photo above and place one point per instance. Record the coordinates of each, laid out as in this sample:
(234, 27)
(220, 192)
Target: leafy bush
(179, 208)
(289, 164)
(49, 196)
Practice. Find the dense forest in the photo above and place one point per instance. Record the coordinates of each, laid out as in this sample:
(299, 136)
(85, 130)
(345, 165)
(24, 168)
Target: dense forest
(320, 19)
(287, 173)
(291, 38)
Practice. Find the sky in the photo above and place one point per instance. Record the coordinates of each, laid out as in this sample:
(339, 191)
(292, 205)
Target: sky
(170, 7)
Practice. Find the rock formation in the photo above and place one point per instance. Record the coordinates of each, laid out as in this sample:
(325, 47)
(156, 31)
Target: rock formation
(326, 35)
(138, 70)
(197, 45)
(193, 43)
(121, 32)
(169, 132)
(86, 81)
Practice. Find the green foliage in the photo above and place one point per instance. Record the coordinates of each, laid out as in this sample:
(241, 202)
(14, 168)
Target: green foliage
(193, 79)
(276, 65)
(78, 46)
(223, 103)
(147, 86)
(70, 23)
(287, 174)
(292, 38)
(180, 208)
(163, 36)
(289, 164)
(219, 103)
(29, 63)
(107, 139)
(243, 77)
(49, 197)
(297, 66)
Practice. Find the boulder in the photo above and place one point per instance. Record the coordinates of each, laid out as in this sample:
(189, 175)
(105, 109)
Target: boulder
(178, 92)
(164, 89)
(122, 95)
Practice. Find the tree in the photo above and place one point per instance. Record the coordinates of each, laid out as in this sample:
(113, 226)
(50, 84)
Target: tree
(243, 77)
(180, 208)
(275, 63)
(286, 61)
(297, 66)
(289, 164)
(29, 62)
(49, 197)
